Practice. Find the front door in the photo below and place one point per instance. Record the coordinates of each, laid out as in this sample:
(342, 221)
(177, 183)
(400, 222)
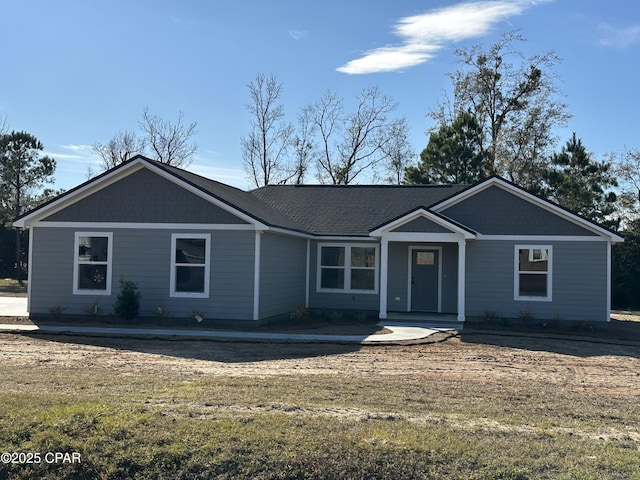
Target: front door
(425, 274)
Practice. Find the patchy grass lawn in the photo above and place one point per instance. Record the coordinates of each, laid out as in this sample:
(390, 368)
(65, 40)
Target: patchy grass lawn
(473, 407)
(10, 287)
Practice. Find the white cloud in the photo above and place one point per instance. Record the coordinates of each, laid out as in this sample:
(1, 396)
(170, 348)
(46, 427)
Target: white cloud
(298, 34)
(618, 37)
(427, 33)
(231, 176)
(73, 152)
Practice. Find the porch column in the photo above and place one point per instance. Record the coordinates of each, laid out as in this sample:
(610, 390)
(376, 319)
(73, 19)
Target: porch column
(462, 250)
(256, 277)
(384, 264)
(608, 280)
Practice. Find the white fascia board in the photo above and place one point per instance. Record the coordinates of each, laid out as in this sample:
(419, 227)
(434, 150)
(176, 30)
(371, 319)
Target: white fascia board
(341, 238)
(284, 231)
(544, 238)
(424, 237)
(149, 226)
(439, 207)
(387, 229)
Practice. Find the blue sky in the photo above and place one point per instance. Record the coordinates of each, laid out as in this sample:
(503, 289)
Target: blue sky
(77, 72)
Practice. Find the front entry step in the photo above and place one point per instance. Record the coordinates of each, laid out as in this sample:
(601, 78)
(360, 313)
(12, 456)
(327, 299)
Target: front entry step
(426, 320)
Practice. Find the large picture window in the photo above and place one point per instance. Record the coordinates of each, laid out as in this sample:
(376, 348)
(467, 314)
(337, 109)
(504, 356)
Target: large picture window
(190, 260)
(533, 272)
(347, 268)
(92, 263)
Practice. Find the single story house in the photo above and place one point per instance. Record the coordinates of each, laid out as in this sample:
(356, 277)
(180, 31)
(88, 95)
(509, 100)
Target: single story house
(196, 245)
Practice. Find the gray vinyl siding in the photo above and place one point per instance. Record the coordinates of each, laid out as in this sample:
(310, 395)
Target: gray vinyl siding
(449, 278)
(421, 224)
(494, 211)
(283, 274)
(144, 197)
(579, 290)
(398, 276)
(338, 300)
(144, 256)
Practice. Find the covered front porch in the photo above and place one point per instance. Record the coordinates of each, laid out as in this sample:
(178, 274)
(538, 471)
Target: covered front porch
(422, 268)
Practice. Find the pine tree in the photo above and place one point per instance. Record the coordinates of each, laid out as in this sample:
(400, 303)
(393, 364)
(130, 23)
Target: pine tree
(577, 182)
(454, 154)
(23, 170)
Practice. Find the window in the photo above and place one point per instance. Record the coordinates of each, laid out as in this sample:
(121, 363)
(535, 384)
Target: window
(533, 272)
(348, 268)
(92, 263)
(190, 265)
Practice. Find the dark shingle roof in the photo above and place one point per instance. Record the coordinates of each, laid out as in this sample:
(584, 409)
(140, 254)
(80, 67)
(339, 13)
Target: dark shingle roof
(350, 210)
(236, 198)
(315, 209)
(323, 209)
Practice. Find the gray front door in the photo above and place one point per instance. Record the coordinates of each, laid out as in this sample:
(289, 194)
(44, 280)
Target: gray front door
(424, 280)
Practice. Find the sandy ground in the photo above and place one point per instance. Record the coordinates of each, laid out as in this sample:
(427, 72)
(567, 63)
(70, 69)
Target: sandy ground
(586, 366)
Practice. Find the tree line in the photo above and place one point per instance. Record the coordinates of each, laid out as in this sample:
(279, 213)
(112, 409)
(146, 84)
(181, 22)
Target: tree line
(501, 119)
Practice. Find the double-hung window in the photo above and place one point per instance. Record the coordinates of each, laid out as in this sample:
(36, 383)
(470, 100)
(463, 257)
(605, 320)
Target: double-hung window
(347, 268)
(533, 272)
(190, 260)
(92, 263)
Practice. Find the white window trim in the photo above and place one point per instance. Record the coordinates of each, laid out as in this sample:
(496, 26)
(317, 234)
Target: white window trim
(517, 272)
(77, 263)
(207, 265)
(347, 268)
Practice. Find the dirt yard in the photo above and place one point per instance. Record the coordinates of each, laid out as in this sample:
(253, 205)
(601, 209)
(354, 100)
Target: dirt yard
(581, 366)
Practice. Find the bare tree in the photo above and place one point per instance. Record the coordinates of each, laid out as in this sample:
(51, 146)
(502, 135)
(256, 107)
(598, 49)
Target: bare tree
(4, 125)
(326, 115)
(517, 105)
(265, 147)
(398, 150)
(356, 142)
(304, 147)
(170, 143)
(122, 147)
(627, 170)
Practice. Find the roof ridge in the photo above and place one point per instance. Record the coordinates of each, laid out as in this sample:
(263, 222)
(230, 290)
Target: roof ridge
(386, 186)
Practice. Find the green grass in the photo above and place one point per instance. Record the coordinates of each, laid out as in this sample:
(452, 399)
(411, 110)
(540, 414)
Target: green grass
(11, 287)
(143, 426)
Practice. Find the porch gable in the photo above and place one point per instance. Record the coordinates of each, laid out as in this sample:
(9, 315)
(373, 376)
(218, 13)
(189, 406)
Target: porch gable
(420, 224)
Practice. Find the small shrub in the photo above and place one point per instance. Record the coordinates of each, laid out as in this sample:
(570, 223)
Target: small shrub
(57, 310)
(93, 308)
(127, 304)
(334, 315)
(526, 315)
(490, 316)
(161, 311)
(360, 316)
(300, 313)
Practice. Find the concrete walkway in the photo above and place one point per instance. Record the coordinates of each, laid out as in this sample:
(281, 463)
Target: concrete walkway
(17, 307)
(13, 307)
(399, 333)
